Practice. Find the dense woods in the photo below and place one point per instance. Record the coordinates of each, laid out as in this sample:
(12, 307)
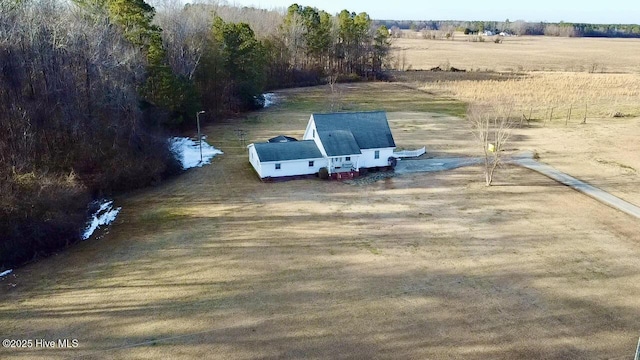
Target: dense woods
(72, 123)
(91, 89)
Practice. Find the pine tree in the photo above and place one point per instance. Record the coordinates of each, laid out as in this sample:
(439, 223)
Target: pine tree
(161, 88)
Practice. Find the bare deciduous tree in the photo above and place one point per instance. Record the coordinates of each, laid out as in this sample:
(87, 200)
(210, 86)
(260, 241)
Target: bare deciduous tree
(335, 93)
(185, 31)
(491, 126)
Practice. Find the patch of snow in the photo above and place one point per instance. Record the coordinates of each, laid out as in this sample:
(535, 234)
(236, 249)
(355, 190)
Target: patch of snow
(187, 151)
(105, 215)
(270, 99)
(5, 273)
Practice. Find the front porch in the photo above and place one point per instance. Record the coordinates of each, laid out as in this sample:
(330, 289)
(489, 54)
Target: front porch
(345, 175)
(342, 165)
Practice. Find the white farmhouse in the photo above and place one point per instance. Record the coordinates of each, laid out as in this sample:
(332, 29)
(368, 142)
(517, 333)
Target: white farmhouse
(343, 143)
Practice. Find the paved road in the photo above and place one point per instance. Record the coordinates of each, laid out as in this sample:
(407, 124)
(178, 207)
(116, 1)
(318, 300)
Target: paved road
(525, 160)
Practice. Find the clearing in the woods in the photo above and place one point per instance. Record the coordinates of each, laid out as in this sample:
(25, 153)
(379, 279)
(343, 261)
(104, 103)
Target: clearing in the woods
(216, 264)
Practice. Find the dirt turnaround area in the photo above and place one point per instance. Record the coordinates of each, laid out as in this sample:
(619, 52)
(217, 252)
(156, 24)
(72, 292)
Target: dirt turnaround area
(216, 264)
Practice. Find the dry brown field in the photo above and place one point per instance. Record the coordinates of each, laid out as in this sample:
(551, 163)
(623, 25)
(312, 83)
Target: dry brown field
(522, 53)
(547, 79)
(215, 264)
(548, 96)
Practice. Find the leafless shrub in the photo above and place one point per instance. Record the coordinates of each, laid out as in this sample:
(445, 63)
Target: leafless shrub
(475, 38)
(429, 34)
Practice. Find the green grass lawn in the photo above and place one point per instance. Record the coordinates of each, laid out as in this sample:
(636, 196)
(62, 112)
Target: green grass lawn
(388, 97)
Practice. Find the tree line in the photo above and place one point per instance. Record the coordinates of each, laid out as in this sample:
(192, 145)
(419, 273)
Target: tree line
(345, 44)
(519, 27)
(91, 89)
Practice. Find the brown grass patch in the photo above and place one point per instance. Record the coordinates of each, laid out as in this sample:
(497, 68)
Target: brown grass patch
(524, 53)
(602, 94)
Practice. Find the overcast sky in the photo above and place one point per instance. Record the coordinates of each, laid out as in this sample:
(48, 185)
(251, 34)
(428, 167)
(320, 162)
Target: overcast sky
(602, 11)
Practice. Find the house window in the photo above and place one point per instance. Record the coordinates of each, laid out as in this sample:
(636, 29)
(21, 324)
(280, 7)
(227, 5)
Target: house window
(311, 163)
(313, 133)
(348, 158)
(376, 155)
(277, 166)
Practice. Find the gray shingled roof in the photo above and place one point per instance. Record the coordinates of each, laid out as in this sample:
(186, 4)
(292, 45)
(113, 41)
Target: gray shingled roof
(293, 150)
(339, 142)
(370, 129)
(282, 138)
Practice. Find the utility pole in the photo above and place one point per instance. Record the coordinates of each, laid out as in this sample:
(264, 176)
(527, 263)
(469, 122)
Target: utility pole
(199, 136)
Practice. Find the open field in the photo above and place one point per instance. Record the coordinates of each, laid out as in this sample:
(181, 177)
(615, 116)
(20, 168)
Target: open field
(525, 53)
(536, 94)
(547, 79)
(216, 264)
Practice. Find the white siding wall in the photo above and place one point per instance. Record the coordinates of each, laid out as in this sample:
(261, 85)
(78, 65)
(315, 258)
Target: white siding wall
(291, 168)
(308, 133)
(340, 160)
(254, 160)
(312, 134)
(368, 160)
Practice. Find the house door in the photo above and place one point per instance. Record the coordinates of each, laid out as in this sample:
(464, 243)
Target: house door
(336, 162)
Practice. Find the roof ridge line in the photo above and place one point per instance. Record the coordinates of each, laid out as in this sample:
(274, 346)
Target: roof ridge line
(351, 112)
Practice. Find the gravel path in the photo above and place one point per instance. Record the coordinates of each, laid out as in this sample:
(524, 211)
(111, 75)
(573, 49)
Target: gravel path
(579, 185)
(435, 164)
